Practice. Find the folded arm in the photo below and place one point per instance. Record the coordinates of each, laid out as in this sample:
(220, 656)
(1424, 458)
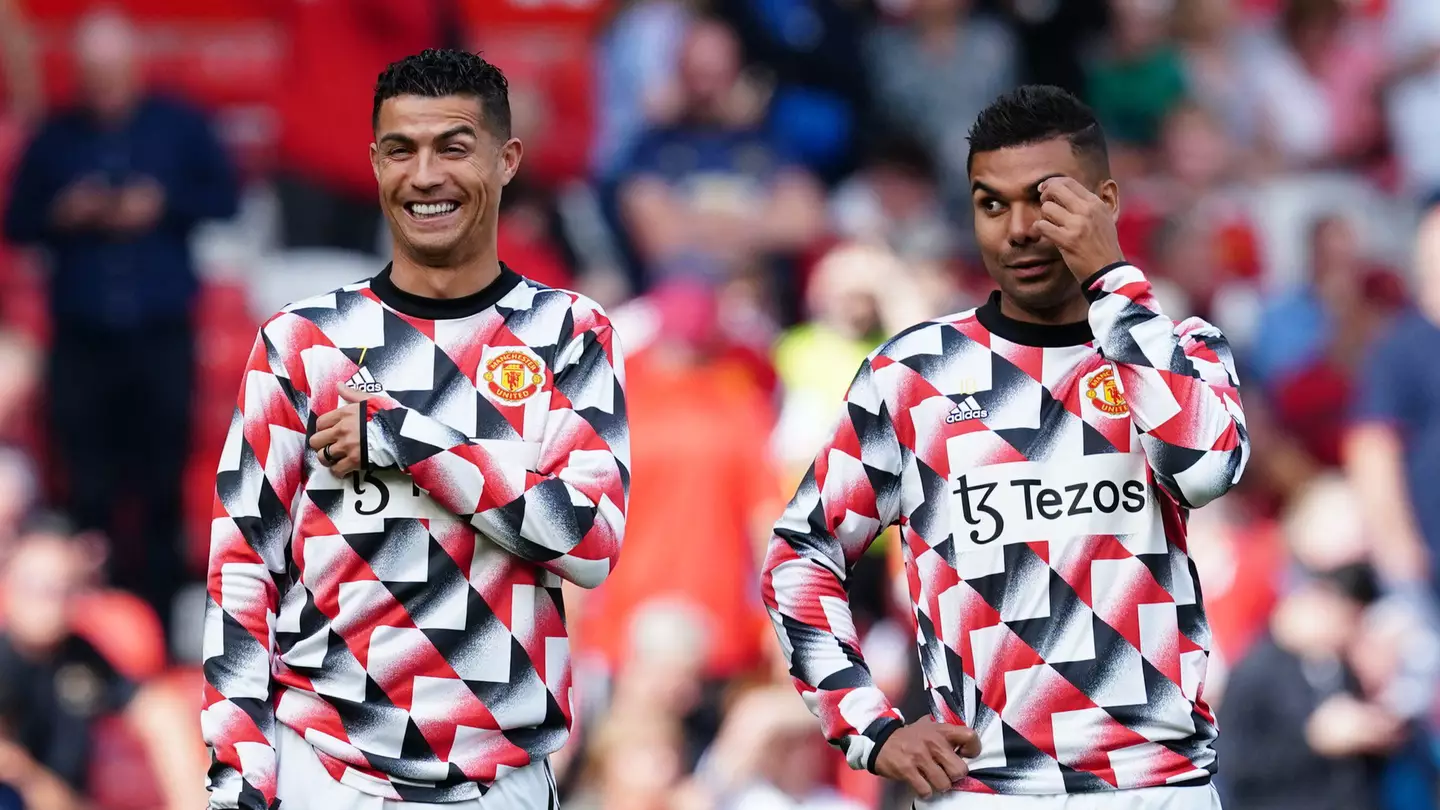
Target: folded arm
(567, 516)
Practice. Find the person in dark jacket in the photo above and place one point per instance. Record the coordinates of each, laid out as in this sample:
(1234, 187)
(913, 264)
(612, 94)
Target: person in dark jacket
(1297, 729)
(112, 190)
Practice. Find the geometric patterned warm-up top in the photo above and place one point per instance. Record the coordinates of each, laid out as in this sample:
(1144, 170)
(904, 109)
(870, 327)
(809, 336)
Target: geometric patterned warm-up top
(1041, 477)
(407, 620)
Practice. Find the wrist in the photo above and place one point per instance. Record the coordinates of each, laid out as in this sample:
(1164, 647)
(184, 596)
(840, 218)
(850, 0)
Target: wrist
(1090, 285)
(887, 728)
(1094, 264)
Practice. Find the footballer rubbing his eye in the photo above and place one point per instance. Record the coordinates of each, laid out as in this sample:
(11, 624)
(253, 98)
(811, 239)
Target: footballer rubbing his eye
(1040, 454)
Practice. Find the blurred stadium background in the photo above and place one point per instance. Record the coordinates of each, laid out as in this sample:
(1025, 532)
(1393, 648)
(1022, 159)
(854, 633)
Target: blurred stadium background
(759, 191)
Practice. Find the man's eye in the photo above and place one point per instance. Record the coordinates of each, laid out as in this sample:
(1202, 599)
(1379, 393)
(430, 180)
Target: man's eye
(398, 152)
(991, 206)
(455, 149)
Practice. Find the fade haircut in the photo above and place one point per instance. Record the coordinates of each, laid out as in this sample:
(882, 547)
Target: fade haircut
(436, 73)
(1035, 113)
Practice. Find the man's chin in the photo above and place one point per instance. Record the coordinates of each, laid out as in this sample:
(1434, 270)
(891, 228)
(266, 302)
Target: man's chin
(1041, 294)
(431, 251)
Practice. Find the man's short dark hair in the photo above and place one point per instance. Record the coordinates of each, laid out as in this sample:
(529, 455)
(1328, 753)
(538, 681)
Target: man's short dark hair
(1034, 113)
(436, 73)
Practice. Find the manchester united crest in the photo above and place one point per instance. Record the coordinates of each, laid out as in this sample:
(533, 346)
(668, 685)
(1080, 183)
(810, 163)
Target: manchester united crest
(1103, 391)
(512, 374)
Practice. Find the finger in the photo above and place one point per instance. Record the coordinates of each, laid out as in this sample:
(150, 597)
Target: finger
(933, 773)
(1054, 212)
(1052, 232)
(955, 767)
(1065, 190)
(327, 437)
(352, 394)
(918, 783)
(347, 458)
(332, 418)
(339, 453)
(962, 739)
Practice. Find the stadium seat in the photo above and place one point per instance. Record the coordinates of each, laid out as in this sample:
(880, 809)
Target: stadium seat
(120, 775)
(553, 95)
(124, 629)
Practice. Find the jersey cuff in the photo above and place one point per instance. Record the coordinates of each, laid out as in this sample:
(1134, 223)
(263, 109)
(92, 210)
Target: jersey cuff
(364, 415)
(887, 726)
(375, 447)
(1091, 286)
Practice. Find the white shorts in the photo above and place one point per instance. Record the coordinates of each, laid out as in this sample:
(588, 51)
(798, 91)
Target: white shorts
(1201, 797)
(303, 784)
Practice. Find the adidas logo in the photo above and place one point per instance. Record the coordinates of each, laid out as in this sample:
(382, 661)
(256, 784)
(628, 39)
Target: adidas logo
(362, 381)
(967, 409)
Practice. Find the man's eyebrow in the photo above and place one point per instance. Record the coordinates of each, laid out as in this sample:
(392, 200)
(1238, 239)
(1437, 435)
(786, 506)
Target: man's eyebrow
(1033, 189)
(454, 132)
(406, 140)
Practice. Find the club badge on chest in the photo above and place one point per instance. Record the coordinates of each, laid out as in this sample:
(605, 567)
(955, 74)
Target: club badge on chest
(511, 375)
(1102, 388)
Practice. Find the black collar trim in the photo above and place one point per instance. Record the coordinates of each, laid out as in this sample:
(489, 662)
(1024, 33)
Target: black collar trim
(1031, 334)
(439, 309)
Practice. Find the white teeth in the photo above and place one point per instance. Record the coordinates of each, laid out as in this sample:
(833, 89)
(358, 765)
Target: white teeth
(432, 209)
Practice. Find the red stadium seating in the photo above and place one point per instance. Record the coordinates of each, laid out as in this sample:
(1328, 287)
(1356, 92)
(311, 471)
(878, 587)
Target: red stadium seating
(121, 777)
(583, 14)
(125, 631)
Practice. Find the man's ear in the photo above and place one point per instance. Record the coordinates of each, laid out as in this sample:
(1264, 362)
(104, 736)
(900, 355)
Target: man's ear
(375, 160)
(1109, 193)
(510, 155)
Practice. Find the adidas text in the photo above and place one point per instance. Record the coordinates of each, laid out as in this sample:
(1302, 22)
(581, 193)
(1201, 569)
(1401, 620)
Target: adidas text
(969, 409)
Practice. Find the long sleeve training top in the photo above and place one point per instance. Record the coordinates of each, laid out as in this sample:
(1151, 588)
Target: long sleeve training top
(407, 620)
(1041, 477)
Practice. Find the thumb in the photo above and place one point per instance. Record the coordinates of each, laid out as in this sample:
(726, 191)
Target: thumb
(352, 394)
(962, 739)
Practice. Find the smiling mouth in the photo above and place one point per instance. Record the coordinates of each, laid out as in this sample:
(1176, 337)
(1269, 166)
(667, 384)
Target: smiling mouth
(431, 210)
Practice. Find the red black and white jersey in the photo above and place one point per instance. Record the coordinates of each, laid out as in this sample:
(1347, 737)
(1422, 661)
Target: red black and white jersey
(407, 621)
(1041, 478)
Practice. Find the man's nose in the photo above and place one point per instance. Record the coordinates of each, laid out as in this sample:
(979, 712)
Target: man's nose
(1022, 224)
(428, 174)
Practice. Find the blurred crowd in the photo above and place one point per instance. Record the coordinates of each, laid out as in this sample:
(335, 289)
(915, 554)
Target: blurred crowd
(759, 191)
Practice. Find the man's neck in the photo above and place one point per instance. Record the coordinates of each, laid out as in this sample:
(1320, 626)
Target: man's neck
(1072, 311)
(454, 281)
